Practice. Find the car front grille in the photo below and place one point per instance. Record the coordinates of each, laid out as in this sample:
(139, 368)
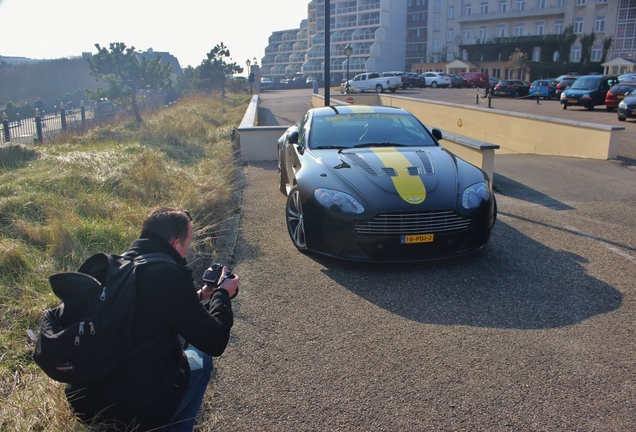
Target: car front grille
(430, 222)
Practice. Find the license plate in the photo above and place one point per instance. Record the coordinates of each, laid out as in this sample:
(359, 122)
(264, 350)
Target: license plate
(573, 101)
(417, 238)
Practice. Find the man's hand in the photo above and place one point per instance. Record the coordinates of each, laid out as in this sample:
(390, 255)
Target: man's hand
(230, 284)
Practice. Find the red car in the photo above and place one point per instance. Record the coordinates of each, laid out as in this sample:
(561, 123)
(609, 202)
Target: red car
(617, 93)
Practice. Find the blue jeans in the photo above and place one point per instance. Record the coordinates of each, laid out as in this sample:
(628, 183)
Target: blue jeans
(201, 366)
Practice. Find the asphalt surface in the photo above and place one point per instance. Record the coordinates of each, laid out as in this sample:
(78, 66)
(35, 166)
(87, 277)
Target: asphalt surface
(535, 333)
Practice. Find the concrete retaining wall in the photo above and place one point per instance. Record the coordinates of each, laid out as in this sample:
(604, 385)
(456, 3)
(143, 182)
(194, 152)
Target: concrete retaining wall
(512, 132)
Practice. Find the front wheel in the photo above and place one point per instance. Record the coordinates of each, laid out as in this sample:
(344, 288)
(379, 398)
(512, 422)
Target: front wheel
(622, 118)
(565, 106)
(434, 84)
(609, 109)
(378, 89)
(295, 219)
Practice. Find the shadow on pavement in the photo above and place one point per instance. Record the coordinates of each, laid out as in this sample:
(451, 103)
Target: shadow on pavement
(528, 286)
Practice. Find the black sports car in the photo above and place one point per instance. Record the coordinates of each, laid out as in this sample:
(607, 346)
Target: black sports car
(371, 183)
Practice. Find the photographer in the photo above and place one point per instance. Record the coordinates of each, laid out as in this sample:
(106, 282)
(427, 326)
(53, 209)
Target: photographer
(160, 384)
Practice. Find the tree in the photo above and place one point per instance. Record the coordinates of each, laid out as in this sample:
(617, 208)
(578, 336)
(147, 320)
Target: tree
(212, 72)
(607, 44)
(515, 61)
(564, 43)
(587, 42)
(121, 66)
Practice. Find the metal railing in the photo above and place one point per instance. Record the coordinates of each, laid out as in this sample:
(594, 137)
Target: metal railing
(43, 126)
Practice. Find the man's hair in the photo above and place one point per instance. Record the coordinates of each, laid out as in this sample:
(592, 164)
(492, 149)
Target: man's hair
(168, 222)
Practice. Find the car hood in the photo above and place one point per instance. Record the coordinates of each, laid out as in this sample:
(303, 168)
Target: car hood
(393, 176)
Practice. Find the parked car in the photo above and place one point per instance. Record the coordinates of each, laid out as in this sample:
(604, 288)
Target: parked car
(627, 107)
(405, 81)
(514, 88)
(493, 81)
(434, 79)
(456, 81)
(416, 79)
(266, 83)
(563, 83)
(617, 93)
(372, 183)
(475, 79)
(545, 89)
(588, 91)
(631, 76)
(372, 81)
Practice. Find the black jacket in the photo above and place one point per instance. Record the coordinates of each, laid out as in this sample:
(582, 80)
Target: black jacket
(148, 387)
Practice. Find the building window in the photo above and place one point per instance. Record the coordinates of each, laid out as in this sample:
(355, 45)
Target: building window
(450, 35)
(435, 45)
(559, 26)
(521, 5)
(483, 8)
(437, 24)
(575, 54)
(539, 27)
(501, 30)
(519, 28)
(599, 24)
(483, 33)
(468, 8)
(580, 2)
(540, 4)
(465, 34)
(578, 25)
(601, 1)
(503, 5)
(536, 54)
(451, 12)
(597, 53)
(560, 3)
(437, 6)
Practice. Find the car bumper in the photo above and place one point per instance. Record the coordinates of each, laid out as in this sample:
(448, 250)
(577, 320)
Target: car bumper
(626, 112)
(339, 238)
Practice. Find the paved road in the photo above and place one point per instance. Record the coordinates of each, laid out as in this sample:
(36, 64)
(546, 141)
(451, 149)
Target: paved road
(534, 334)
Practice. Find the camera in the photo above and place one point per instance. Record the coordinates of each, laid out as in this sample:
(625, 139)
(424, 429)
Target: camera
(214, 275)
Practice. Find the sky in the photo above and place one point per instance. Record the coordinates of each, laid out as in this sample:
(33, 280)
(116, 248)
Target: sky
(187, 29)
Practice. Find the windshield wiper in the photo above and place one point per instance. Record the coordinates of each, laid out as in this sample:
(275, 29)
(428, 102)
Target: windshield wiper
(328, 147)
(379, 144)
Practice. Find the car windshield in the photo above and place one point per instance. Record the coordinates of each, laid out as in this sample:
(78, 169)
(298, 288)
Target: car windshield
(585, 84)
(367, 130)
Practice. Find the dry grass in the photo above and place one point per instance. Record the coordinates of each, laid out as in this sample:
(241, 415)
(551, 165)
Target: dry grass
(61, 202)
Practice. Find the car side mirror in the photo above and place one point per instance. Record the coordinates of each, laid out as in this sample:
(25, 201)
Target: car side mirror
(292, 137)
(437, 134)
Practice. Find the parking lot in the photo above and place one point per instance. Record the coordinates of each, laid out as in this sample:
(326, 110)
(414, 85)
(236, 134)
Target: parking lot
(536, 333)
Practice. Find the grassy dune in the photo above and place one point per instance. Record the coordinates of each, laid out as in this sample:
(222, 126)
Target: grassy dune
(61, 202)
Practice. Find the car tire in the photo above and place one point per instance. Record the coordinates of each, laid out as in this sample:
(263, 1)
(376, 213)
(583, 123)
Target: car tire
(379, 89)
(609, 109)
(434, 84)
(622, 118)
(565, 106)
(295, 220)
(516, 94)
(590, 106)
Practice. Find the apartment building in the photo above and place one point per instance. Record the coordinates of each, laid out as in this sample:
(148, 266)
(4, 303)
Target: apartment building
(422, 35)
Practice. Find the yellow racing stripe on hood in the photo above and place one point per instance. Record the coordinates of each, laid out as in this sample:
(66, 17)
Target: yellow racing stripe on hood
(410, 187)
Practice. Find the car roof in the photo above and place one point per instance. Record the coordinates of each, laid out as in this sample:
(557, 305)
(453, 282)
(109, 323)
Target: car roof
(356, 109)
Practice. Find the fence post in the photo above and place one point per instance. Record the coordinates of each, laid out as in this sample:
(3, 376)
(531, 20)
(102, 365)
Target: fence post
(5, 127)
(83, 113)
(38, 126)
(63, 116)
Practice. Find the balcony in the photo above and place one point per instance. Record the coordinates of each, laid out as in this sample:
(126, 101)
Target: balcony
(512, 14)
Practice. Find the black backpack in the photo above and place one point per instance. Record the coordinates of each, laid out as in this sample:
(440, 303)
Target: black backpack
(88, 334)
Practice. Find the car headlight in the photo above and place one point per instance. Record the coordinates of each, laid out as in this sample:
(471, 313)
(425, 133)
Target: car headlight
(563, 95)
(622, 104)
(344, 202)
(585, 96)
(474, 195)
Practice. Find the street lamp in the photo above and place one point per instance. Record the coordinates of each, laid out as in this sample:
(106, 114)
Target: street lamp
(249, 76)
(348, 51)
